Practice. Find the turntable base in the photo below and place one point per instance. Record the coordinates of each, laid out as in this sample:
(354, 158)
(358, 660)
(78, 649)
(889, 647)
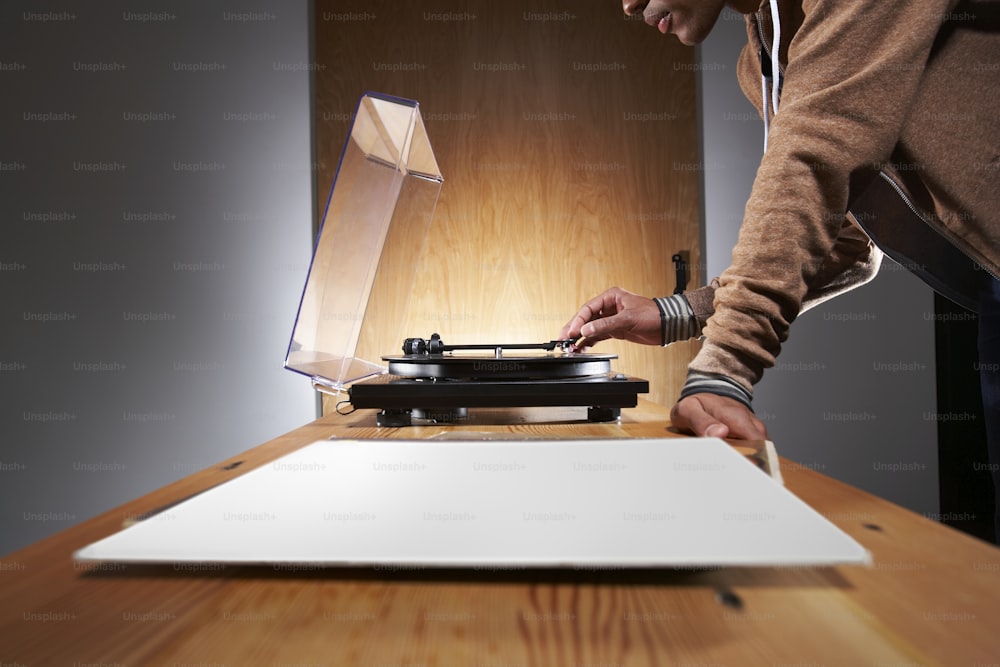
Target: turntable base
(431, 383)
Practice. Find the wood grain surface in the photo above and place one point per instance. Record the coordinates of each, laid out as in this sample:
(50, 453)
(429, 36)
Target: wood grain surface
(567, 138)
(932, 596)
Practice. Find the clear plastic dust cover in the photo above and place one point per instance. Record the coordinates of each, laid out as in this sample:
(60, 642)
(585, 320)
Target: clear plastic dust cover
(369, 243)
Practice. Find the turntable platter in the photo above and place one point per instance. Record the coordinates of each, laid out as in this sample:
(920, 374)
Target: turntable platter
(454, 367)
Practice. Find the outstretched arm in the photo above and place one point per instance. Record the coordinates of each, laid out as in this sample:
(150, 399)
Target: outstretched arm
(618, 313)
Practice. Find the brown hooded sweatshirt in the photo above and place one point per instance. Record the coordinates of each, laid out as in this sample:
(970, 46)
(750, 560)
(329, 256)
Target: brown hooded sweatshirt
(889, 116)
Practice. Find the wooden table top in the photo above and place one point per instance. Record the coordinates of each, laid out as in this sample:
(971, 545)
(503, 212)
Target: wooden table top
(931, 597)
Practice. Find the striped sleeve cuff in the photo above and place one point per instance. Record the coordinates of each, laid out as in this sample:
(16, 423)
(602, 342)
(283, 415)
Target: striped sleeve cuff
(720, 385)
(677, 318)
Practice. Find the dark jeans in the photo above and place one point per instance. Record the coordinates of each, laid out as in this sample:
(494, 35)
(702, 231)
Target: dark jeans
(989, 378)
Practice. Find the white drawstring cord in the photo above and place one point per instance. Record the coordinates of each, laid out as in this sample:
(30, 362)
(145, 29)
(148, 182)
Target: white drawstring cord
(775, 62)
(766, 101)
(771, 102)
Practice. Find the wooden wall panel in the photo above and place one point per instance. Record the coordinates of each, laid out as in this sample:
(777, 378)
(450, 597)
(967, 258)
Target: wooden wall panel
(567, 137)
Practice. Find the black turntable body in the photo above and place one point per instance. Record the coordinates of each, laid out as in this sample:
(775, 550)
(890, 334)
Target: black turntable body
(435, 382)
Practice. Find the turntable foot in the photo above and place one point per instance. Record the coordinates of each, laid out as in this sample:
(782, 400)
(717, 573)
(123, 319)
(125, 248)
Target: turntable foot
(599, 414)
(439, 415)
(393, 418)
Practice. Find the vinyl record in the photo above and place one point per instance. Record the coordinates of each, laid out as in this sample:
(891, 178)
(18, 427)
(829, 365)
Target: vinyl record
(484, 367)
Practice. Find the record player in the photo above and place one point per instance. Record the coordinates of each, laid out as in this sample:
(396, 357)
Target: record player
(377, 218)
(437, 382)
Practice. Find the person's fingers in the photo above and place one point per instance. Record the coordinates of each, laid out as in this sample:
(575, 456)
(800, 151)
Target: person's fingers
(689, 414)
(717, 416)
(602, 305)
(571, 329)
(746, 426)
(574, 328)
(606, 327)
(716, 431)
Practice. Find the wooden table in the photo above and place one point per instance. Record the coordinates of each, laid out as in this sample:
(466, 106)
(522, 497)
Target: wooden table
(932, 596)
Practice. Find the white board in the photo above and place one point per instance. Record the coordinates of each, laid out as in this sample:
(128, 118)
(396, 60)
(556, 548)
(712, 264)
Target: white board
(674, 502)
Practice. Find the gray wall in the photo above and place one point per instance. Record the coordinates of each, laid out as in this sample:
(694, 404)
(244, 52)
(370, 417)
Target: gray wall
(853, 394)
(156, 203)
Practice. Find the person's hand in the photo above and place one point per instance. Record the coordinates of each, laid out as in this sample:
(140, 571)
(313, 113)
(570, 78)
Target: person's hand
(714, 416)
(616, 313)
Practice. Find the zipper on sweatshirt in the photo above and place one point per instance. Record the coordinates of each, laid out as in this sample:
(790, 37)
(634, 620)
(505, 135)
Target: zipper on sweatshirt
(771, 84)
(920, 216)
(909, 204)
(765, 49)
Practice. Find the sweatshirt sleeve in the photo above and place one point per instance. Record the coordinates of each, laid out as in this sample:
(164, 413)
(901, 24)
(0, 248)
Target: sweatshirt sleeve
(854, 261)
(852, 73)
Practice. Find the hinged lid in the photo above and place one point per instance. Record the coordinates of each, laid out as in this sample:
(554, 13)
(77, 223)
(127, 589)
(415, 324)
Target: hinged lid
(376, 220)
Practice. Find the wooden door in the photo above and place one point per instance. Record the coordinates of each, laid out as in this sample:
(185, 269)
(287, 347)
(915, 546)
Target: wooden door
(567, 137)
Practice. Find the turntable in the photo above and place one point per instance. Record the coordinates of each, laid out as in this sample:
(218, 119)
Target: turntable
(437, 382)
(376, 221)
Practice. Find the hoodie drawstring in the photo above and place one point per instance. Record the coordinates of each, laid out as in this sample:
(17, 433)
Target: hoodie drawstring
(771, 72)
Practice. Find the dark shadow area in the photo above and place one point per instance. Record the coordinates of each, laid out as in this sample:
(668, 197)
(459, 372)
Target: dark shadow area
(721, 578)
(965, 484)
